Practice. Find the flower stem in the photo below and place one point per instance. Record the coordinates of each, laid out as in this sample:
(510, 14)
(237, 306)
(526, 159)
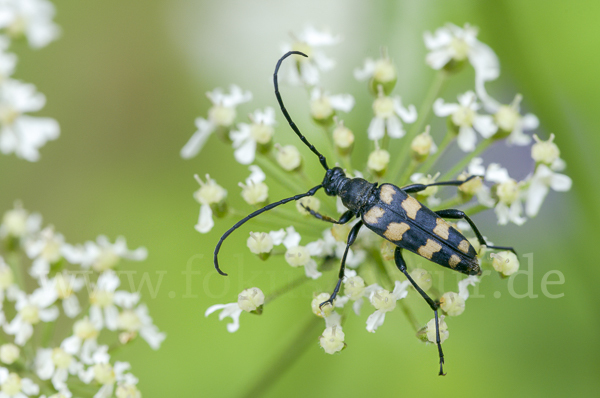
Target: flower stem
(288, 356)
(423, 115)
(466, 160)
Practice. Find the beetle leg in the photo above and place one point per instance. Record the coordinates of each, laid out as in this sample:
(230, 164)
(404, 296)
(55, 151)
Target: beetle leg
(460, 215)
(344, 218)
(414, 188)
(401, 264)
(351, 238)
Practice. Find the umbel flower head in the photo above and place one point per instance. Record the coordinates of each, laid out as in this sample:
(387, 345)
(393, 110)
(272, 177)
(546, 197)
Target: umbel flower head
(399, 148)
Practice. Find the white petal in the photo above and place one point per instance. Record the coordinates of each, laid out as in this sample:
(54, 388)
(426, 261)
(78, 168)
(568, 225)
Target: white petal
(485, 125)
(376, 129)
(292, 238)
(466, 139)
(366, 72)
(342, 102)
(310, 268)
(439, 58)
(375, 320)
(29, 387)
(463, 290)
(205, 220)
(560, 182)
(358, 305)
(442, 109)
(496, 173)
(394, 127)
(246, 152)
(153, 336)
(126, 299)
(530, 122)
(277, 236)
(256, 175)
(535, 197)
(400, 289)
(407, 115)
(309, 73)
(484, 61)
(195, 144)
(71, 306)
(49, 314)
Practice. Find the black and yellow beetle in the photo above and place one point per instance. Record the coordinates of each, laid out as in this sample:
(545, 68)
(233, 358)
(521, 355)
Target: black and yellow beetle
(391, 213)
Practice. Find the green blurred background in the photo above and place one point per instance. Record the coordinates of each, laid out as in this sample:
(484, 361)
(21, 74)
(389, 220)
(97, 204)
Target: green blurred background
(126, 81)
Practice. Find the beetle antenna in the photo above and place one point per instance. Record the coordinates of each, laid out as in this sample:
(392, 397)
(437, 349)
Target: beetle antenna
(254, 214)
(287, 115)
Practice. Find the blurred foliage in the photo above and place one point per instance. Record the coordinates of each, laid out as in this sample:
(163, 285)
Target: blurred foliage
(126, 81)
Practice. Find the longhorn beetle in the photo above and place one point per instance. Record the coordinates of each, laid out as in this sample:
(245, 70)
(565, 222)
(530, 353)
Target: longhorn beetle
(391, 213)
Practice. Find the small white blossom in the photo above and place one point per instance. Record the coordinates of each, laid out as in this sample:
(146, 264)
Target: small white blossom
(19, 223)
(343, 138)
(56, 364)
(248, 136)
(423, 145)
(255, 191)
(103, 255)
(297, 255)
(452, 43)
(21, 134)
(288, 157)
(384, 301)
(32, 18)
(429, 332)
(505, 262)
(222, 114)
(429, 192)
(307, 70)
(381, 70)
(209, 193)
(105, 298)
(139, 321)
(234, 310)
(509, 206)
(388, 111)
(13, 386)
(9, 353)
(547, 152)
(541, 182)
(32, 309)
(378, 160)
(323, 105)
(465, 118)
(422, 278)
(45, 250)
(332, 339)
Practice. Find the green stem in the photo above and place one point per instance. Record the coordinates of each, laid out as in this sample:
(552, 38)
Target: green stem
(405, 178)
(286, 288)
(426, 167)
(288, 356)
(269, 165)
(422, 117)
(471, 211)
(464, 162)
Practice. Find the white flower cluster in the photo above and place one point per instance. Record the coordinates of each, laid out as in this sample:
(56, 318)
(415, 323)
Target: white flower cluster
(394, 129)
(82, 281)
(21, 133)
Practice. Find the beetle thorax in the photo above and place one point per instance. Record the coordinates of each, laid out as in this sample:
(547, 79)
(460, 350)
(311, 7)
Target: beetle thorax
(355, 193)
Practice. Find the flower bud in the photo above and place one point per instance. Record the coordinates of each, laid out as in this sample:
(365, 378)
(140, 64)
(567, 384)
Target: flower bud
(255, 193)
(508, 191)
(288, 157)
(452, 304)
(104, 373)
(383, 300)
(421, 145)
(321, 110)
(378, 160)
(544, 151)
(9, 353)
(308, 201)
(221, 115)
(470, 187)
(210, 192)
(422, 278)
(428, 333)
(354, 287)
(260, 243)
(383, 106)
(261, 133)
(505, 262)
(343, 139)
(332, 339)
(326, 310)
(251, 299)
(297, 256)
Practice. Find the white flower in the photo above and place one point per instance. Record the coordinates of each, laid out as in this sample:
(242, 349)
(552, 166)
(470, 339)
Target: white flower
(262, 242)
(297, 255)
(288, 157)
(66, 284)
(248, 136)
(429, 332)
(381, 70)
(323, 105)
(508, 118)
(429, 192)
(452, 43)
(332, 339)
(386, 110)
(56, 364)
(384, 301)
(13, 386)
(466, 119)
(509, 206)
(222, 114)
(505, 262)
(32, 18)
(103, 255)
(83, 342)
(255, 191)
(21, 134)
(105, 297)
(454, 303)
(423, 145)
(355, 290)
(9, 353)
(106, 374)
(234, 310)
(541, 182)
(32, 309)
(210, 193)
(547, 152)
(8, 61)
(139, 321)
(307, 70)
(19, 223)
(45, 250)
